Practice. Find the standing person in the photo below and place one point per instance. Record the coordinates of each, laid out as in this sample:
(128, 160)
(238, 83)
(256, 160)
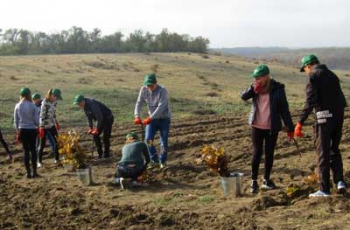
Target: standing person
(48, 122)
(3, 142)
(95, 110)
(269, 107)
(135, 158)
(26, 119)
(156, 98)
(41, 142)
(325, 97)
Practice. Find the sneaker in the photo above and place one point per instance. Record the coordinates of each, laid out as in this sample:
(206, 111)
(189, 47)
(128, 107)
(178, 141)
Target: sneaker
(107, 156)
(254, 187)
(35, 175)
(268, 184)
(341, 187)
(135, 183)
(123, 182)
(163, 165)
(152, 165)
(39, 165)
(319, 193)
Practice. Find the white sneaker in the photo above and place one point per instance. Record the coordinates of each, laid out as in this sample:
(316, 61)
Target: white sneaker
(39, 165)
(319, 193)
(341, 187)
(152, 165)
(163, 165)
(123, 182)
(135, 183)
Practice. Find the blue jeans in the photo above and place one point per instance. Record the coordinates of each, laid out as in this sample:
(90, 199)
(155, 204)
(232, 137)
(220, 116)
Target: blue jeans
(163, 125)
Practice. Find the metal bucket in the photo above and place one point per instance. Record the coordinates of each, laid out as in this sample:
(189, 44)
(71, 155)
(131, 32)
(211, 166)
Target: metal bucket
(232, 185)
(85, 176)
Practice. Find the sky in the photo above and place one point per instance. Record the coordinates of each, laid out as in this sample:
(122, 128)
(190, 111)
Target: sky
(226, 23)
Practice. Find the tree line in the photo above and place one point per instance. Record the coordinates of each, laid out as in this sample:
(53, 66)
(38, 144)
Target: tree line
(77, 40)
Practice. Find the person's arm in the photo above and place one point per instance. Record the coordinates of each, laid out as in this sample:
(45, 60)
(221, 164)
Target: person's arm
(284, 109)
(89, 117)
(96, 111)
(138, 104)
(248, 93)
(16, 118)
(43, 113)
(162, 104)
(310, 101)
(36, 116)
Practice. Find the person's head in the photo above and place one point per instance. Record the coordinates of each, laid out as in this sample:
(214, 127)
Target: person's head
(36, 98)
(261, 75)
(308, 62)
(79, 100)
(131, 137)
(54, 95)
(150, 81)
(25, 94)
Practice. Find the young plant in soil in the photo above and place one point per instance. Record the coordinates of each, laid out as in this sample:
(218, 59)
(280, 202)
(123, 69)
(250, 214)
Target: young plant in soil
(215, 159)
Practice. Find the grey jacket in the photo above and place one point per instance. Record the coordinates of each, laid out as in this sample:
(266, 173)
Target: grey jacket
(26, 115)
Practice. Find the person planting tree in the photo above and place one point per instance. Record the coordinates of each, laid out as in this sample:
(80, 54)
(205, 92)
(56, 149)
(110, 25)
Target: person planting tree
(48, 122)
(269, 107)
(96, 111)
(325, 97)
(156, 98)
(26, 121)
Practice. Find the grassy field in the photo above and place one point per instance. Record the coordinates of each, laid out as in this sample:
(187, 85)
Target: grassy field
(197, 85)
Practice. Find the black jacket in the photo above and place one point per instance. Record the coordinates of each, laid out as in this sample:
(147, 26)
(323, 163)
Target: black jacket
(279, 107)
(95, 110)
(323, 92)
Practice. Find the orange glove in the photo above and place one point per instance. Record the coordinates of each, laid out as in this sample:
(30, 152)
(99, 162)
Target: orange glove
(41, 133)
(297, 130)
(290, 135)
(90, 131)
(58, 127)
(94, 131)
(137, 121)
(146, 121)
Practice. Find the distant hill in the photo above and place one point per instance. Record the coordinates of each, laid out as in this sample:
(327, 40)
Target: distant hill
(334, 57)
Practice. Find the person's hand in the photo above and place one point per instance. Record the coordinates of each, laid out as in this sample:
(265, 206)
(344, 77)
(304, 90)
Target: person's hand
(58, 127)
(146, 121)
(90, 131)
(41, 133)
(18, 138)
(297, 130)
(137, 121)
(290, 135)
(257, 87)
(94, 131)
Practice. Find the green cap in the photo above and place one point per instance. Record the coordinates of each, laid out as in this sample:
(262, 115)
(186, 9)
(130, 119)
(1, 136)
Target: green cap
(79, 98)
(150, 79)
(261, 70)
(36, 96)
(57, 92)
(25, 91)
(308, 59)
(132, 135)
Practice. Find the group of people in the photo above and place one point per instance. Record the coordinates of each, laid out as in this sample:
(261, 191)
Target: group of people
(270, 107)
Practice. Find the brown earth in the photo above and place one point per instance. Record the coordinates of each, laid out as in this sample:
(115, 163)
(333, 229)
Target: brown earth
(183, 196)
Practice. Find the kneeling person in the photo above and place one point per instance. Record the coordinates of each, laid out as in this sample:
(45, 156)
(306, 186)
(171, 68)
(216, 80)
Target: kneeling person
(135, 158)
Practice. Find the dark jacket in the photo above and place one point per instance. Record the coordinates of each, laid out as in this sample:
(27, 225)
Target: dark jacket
(278, 106)
(95, 110)
(323, 92)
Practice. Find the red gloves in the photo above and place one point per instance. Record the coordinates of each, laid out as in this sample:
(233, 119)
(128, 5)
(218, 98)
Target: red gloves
(290, 135)
(94, 131)
(297, 130)
(137, 121)
(58, 127)
(257, 88)
(146, 121)
(41, 133)
(90, 131)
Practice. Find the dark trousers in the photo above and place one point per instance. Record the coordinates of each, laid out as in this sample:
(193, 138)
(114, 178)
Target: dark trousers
(28, 138)
(107, 130)
(3, 142)
(41, 142)
(328, 136)
(259, 136)
(53, 133)
(129, 172)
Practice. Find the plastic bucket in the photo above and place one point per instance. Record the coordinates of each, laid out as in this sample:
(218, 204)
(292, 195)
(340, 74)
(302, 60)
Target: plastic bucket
(232, 185)
(85, 176)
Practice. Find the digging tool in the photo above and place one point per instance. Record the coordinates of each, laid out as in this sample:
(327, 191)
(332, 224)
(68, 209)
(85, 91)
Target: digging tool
(92, 147)
(142, 135)
(297, 146)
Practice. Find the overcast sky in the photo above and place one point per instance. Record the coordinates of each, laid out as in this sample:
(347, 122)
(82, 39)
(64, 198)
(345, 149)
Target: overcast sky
(227, 23)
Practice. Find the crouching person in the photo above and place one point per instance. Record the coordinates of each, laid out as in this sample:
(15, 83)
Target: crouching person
(135, 158)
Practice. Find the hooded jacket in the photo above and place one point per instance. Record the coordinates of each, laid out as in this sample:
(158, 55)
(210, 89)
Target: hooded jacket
(279, 108)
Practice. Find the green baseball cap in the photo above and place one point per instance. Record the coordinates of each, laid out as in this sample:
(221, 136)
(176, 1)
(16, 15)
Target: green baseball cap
(57, 92)
(150, 79)
(36, 96)
(261, 70)
(25, 91)
(132, 135)
(79, 98)
(308, 59)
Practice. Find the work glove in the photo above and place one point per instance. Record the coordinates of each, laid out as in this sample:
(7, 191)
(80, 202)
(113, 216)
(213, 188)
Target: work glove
(257, 88)
(94, 131)
(290, 135)
(297, 130)
(90, 131)
(58, 127)
(137, 121)
(147, 121)
(41, 133)
(18, 138)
